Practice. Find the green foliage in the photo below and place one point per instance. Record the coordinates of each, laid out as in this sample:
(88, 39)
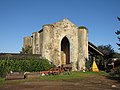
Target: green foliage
(1, 80)
(26, 50)
(73, 75)
(107, 50)
(88, 64)
(108, 54)
(30, 65)
(83, 27)
(116, 55)
(115, 72)
(118, 33)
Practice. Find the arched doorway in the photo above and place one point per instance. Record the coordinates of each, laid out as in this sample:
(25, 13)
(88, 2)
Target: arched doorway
(65, 51)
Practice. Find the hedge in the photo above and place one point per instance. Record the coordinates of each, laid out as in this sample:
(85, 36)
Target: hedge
(30, 65)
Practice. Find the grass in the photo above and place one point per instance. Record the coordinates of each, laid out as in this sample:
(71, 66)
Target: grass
(2, 80)
(73, 75)
(66, 77)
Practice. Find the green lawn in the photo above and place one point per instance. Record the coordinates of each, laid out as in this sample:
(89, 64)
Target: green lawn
(73, 75)
(2, 80)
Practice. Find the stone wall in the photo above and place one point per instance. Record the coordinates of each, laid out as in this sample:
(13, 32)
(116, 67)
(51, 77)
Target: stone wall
(40, 41)
(27, 41)
(83, 47)
(35, 44)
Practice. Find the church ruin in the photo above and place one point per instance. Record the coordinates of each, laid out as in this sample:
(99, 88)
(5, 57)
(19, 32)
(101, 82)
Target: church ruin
(61, 43)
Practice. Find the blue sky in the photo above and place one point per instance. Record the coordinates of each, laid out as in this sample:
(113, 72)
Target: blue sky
(19, 18)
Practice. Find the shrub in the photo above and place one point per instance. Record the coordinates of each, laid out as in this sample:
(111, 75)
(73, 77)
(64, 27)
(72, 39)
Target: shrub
(88, 64)
(115, 72)
(29, 65)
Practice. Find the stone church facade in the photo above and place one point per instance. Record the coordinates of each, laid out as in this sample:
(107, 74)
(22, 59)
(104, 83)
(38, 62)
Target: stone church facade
(61, 43)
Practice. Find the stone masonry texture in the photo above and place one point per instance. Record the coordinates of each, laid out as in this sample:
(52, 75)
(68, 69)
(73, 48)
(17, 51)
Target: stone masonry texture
(61, 43)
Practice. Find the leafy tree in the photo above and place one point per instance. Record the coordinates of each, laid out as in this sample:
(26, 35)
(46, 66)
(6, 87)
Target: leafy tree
(118, 33)
(107, 50)
(116, 55)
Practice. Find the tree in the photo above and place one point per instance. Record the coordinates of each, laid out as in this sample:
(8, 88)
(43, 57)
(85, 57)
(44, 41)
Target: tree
(107, 50)
(118, 33)
(26, 50)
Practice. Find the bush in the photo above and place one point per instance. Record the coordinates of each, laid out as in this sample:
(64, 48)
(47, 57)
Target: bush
(88, 65)
(30, 65)
(115, 72)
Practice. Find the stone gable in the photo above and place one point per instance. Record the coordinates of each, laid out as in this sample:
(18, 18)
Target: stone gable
(62, 43)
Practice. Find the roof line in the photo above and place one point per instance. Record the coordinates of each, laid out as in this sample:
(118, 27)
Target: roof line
(96, 50)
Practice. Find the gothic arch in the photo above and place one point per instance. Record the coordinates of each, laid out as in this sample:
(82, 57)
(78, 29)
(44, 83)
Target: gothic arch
(65, 51)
